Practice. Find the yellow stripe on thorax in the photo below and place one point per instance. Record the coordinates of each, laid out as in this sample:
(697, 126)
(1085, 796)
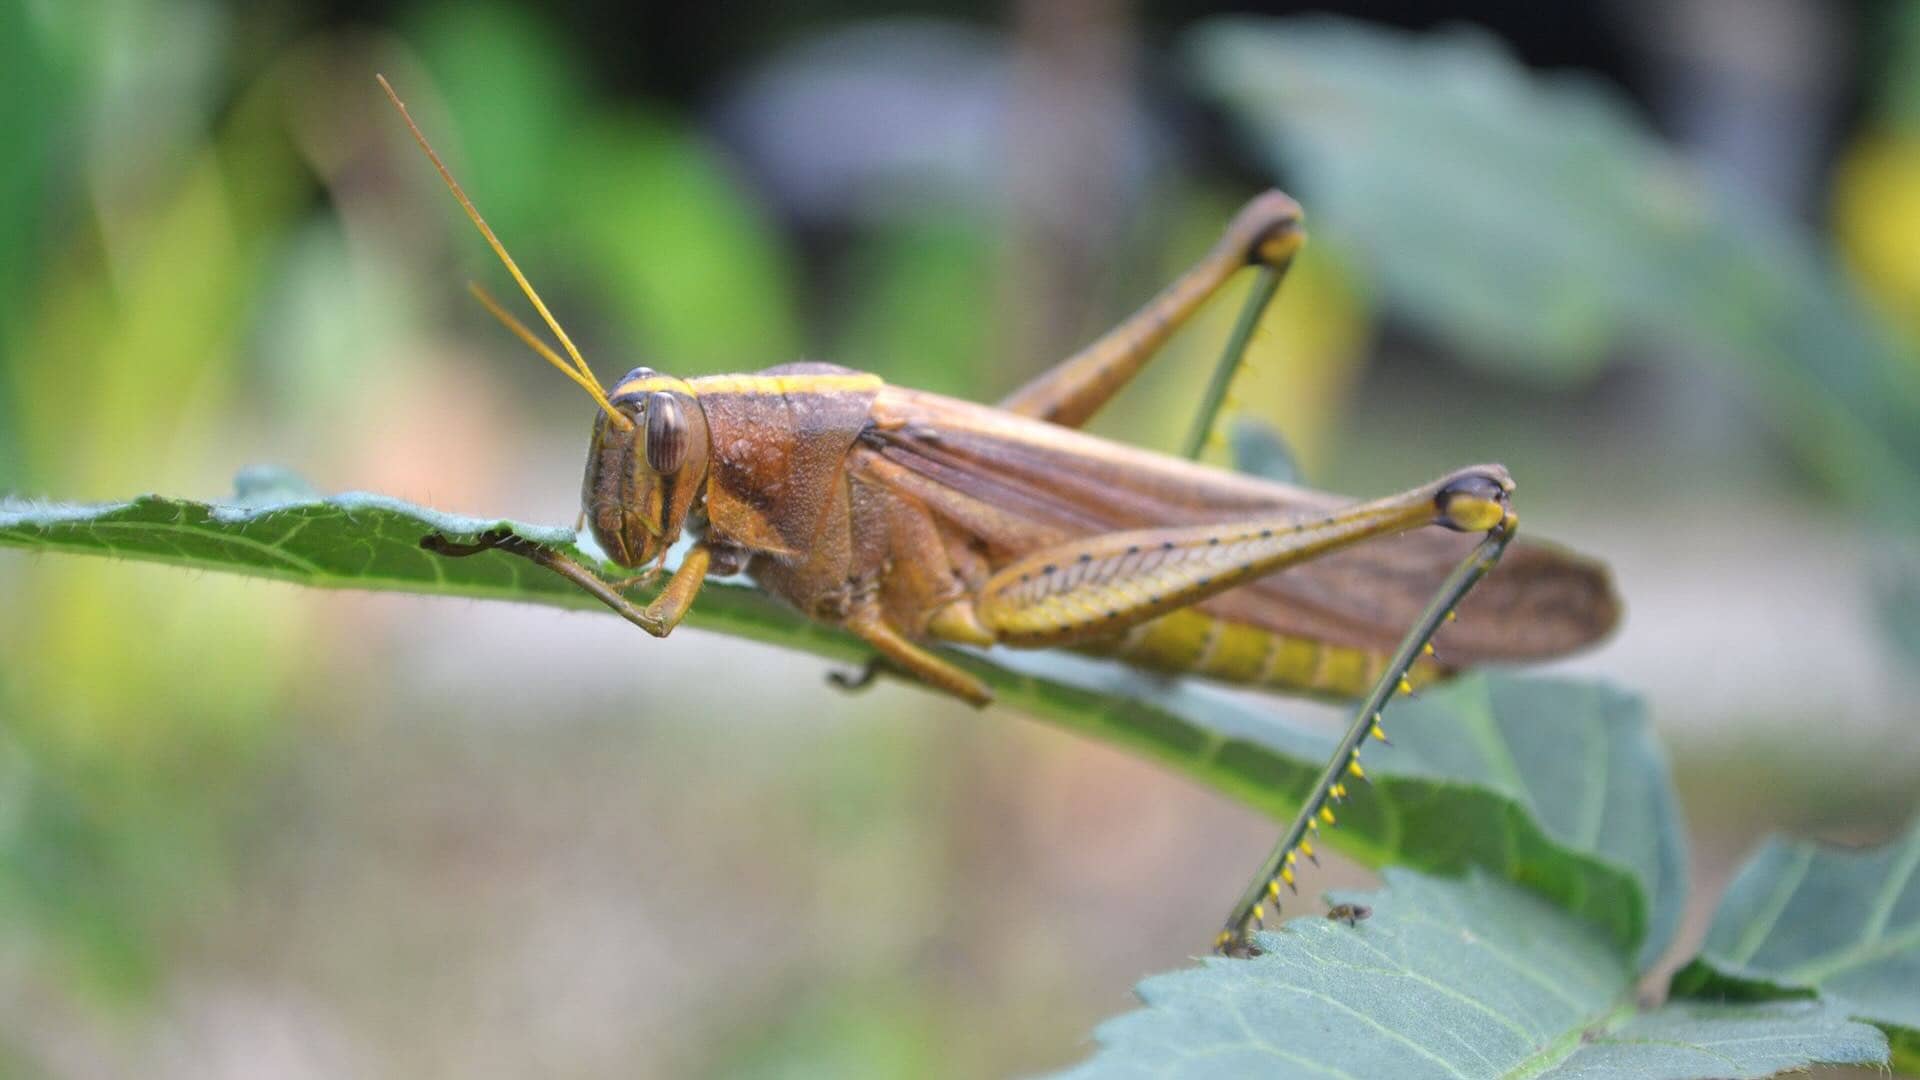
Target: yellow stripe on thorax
(785, 384)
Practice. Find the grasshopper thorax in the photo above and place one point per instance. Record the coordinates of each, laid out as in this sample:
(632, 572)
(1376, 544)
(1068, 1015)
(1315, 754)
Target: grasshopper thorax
(643, 478)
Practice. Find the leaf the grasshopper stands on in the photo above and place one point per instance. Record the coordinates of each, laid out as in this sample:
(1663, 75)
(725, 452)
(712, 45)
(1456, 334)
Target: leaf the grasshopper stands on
(1557, 785)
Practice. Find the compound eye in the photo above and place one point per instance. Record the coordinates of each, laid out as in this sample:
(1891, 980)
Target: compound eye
(667, 433)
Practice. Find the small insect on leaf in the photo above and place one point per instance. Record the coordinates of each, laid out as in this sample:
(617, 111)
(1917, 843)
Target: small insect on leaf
(1351, 914)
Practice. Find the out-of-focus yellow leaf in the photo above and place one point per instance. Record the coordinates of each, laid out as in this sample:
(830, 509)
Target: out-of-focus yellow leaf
(127, 372)
(1306, 358)
(1876, 217)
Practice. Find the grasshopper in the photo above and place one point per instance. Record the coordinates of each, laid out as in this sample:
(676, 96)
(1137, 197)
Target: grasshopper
(914, 520)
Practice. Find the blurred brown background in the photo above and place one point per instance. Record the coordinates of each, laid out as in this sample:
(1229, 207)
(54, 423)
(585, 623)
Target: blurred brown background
(248, 830)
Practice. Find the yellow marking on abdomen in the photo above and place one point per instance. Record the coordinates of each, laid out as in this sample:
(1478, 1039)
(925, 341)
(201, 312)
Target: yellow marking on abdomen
(1188, 642)
(1170, 643)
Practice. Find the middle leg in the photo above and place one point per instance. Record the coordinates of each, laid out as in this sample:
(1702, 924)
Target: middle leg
(913, 593)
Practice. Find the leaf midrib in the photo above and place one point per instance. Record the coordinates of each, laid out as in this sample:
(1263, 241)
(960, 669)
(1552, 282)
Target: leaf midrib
(1563, 1048)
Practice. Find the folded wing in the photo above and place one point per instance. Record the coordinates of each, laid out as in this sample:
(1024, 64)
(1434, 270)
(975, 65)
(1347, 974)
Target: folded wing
(1044, 483)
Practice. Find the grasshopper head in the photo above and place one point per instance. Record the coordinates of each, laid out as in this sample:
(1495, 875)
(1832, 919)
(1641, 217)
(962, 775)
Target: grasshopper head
(648, 464)
(643, 477)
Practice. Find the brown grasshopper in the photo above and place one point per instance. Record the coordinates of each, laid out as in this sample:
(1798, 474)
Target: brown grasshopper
(913, 520)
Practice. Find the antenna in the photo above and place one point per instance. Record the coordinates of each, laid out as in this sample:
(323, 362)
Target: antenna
(578, 370)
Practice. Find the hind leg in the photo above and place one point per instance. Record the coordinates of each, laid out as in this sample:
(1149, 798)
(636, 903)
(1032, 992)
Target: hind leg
(1265, 233)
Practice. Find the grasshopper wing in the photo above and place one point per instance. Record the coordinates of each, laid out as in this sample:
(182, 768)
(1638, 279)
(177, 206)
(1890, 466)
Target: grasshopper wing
(1018, 484)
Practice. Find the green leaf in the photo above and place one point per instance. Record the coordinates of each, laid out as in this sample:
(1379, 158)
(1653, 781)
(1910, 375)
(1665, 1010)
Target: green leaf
(1452, 979)
(1580, 759)
(279, 529)
(1896, 593)
(649, 214)
(1554, 784)
(1260, 450)
(1804, 918)
(1513, 775)
(54, 854)
(683, 256)
(32, 115)
(913, 297)
(511, 89)
(1535, 222)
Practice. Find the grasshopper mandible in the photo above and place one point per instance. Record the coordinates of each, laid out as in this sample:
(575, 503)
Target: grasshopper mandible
(912, 519)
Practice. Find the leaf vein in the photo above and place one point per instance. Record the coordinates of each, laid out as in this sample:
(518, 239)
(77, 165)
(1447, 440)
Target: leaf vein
(1757, 932)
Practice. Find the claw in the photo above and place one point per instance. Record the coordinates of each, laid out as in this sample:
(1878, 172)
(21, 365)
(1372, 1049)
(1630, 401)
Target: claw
(644, 577)
(857, 682)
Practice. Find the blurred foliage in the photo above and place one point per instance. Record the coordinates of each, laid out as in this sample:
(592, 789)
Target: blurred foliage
(27, 127)
(1803, 920)
(644, 208)
(122, 794)
(1876, 190)
(1898, 593)
(1549, 225)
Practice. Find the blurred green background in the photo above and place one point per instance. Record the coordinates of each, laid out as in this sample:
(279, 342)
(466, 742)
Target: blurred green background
(1663, 260)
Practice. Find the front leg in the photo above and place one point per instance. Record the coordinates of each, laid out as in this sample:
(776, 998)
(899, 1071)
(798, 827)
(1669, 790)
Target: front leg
(657, 618)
